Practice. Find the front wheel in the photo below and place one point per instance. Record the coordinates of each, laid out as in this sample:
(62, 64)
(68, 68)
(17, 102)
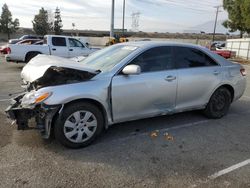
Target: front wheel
(79, 125)
(218, 104)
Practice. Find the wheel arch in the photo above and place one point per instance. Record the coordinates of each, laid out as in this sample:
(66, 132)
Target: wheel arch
(227, 86)
(31, 52)
(98, 104)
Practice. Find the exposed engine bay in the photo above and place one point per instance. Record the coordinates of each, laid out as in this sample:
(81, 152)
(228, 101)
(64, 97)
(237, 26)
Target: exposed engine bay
(58, 76)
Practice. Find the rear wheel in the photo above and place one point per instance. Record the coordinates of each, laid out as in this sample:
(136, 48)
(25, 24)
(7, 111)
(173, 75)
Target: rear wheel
(79, 125)
(218, 104)
(30, 56)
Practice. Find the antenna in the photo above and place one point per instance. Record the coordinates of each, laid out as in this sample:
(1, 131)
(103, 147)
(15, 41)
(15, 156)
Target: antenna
(135, 21)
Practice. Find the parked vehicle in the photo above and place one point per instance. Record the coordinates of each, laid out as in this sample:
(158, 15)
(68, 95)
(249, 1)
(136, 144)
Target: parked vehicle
(225, 53)
(219, 48)
(123, 82)
(62, 46)
(28, 41)
(24, 37)
(4, 49)
(115, 40)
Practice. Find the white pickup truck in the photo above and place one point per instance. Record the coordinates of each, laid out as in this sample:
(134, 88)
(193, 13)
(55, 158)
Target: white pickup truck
(56, 45)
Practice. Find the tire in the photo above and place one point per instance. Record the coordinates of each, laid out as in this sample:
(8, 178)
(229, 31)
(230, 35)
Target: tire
(218, 104)
(79, 125)
(30, 56)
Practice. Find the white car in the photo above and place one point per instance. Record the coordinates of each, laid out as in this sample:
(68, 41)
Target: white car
(62, 46)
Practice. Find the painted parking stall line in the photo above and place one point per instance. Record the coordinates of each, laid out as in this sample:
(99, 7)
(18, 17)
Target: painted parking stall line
(229, 169)
(247, 97)
(3, 100)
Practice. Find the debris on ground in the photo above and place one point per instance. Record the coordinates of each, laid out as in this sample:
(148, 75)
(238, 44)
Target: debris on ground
(154, 134)
(169, 137)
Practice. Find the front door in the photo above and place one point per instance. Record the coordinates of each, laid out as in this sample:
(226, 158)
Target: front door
(150, 93)
(76, 48)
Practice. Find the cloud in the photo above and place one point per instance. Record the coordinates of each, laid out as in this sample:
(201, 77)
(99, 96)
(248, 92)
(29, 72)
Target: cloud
(158, 15)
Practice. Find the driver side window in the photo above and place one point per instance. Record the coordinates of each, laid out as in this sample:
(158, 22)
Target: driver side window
(75, 43)
(155, 59)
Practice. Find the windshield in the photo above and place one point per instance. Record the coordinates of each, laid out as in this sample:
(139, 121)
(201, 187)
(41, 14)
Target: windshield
(104, 60)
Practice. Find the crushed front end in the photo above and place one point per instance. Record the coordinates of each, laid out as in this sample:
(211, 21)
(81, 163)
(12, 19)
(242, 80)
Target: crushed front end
(22, 113)
(40, 73)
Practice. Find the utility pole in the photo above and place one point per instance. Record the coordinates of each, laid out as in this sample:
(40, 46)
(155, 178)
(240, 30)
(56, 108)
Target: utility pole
(112, 19)
(216, 17)
(123, 18)
(135, 21)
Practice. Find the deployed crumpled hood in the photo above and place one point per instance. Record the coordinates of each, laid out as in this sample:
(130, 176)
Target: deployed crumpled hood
(40, 64)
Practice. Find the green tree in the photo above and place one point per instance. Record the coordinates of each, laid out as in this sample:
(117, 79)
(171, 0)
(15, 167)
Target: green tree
(245, 7)
(6, 24)
(41, 25)
(58, 22)
(237, 15)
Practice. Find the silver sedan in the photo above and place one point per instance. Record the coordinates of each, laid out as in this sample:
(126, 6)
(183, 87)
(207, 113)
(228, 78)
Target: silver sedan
(120, 83)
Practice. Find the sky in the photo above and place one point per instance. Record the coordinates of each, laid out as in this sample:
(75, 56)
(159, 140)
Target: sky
(155, 15)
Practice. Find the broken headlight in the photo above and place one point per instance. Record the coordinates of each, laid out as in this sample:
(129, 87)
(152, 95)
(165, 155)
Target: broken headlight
(35, 98)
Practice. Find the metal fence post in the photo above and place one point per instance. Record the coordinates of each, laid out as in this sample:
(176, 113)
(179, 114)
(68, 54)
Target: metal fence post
(239, 49)
(248, 50)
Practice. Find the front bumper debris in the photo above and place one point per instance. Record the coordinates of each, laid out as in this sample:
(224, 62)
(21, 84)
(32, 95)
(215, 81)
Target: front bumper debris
(43, 115)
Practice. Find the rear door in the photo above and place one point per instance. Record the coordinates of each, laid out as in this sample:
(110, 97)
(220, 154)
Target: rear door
(198, 76)
(76, 48)
(150, 93)
(59, 47)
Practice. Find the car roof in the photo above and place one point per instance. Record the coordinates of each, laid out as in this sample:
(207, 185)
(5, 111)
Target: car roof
(145, 44)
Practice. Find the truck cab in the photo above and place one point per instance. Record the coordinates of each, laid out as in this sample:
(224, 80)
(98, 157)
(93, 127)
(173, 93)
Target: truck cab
(56, 45)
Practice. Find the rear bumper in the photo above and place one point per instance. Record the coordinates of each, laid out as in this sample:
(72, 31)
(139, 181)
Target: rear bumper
(7, 58)
(239, 88)
(10, 58)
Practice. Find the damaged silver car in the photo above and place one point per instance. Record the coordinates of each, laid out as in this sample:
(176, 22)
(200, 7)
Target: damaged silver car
(75, 101)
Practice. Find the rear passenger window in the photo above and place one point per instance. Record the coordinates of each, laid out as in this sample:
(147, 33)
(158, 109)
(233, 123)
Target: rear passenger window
(58, 41)
(190, 57)
(155, 59)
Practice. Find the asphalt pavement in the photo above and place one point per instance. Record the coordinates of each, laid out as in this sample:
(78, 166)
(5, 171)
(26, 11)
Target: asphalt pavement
(182, 150)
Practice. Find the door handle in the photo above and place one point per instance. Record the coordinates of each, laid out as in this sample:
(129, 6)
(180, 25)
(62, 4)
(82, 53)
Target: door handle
(216, 72)
(170, 78)
(70, 49)
(53, 49)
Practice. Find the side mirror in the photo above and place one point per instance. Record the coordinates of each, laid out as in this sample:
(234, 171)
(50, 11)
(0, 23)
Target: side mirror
(131, 70)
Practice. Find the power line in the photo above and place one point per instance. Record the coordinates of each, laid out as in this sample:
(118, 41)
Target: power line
(180, 4)
(199, 10)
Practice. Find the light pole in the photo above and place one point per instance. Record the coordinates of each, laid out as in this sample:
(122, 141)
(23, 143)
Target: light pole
(123, 18)
(112, 19)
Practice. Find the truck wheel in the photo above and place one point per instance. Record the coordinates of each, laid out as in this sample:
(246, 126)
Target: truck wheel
(79, 125)
(30, 56)
(218, 104)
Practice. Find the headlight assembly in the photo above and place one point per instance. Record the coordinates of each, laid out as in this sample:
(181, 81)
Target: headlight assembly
(35, 98)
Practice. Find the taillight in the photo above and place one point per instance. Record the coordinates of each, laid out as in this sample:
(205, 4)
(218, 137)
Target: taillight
(8, 50)
(243, 72)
